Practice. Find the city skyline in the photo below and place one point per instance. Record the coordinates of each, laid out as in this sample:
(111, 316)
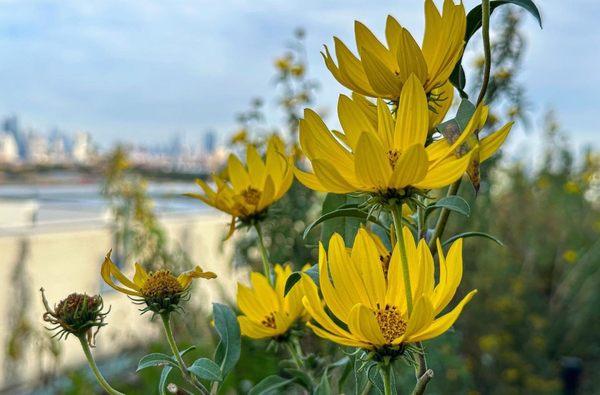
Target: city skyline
(151, 71)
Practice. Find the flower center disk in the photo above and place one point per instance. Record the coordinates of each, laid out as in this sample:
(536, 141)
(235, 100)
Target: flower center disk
(251, 196)
(390, 322)
(161, 284)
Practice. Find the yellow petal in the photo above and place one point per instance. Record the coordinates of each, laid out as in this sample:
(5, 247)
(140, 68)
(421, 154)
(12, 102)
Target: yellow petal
(309, 180)
(364, 325)
(352, 69)
(393, 32)
(412, 122)
(366, 259)
(443, 323)
(367, 42)
(140, 276)
(381, 78)
(410, 168)
(254, 330)
(314, 306)
(109, 269)
(421, 317)
(353, 120)
(256, 167)
(237, 174)
(331, 178)
(410, 58)
(445, 174)
(371, 164)
(385, 124)
(185, 278)
(490, 144)
(344, 341)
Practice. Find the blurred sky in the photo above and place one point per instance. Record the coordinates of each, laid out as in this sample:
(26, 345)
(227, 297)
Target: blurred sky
(145, 70)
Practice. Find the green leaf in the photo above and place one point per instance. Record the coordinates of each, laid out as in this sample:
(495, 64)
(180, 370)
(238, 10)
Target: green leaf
(206, 369)
(345, 221)
(475, 16)
(187, 350)
(155, 359)
(313, 272)
(452, 203)
(228, 350)
(302, 378)
(472, 234)
(269, 385)
(324, 388)
(162, 383)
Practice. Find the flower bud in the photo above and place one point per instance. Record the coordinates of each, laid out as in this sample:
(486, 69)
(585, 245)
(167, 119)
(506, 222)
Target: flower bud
(77, 314)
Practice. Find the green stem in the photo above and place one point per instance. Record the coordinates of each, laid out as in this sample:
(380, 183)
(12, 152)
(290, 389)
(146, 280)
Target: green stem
(385, 370)
(487, 50)
(294, 354)
(90, 358)
(190, 378)
(397, 217)
(440, 226)
(263, 253)
(367, 388)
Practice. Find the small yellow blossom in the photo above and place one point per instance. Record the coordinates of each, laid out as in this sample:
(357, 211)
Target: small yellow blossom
(161, 290)
(247, 192)
(266, 312)
(570, 256)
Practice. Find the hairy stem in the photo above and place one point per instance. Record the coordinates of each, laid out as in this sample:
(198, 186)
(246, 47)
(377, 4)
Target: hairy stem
(397, 217)
(90, 359)
(263, 253)
(487, 50)
(422, 382)
(385, 370)
(190, 378)
(440, 225)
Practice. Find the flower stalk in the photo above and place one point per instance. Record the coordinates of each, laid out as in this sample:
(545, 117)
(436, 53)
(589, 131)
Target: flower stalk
(92, 363)
(397, 217)
(385, 369)
(166, 320)
(264, 255)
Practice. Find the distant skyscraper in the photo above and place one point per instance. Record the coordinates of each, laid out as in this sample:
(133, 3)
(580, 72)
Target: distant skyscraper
(9, 151)
(83, 148)
(11, 125)
(209, 142)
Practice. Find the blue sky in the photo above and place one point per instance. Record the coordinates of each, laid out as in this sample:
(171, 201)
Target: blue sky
(143, 71)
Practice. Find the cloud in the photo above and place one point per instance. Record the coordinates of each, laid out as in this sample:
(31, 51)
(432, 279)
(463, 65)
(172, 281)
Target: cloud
(125, 69)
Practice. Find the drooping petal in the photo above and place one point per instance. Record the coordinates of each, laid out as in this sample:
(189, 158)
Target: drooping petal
(410, 168)
(371, 165)
(490, 144)
(443, 323)
(364, 325)
(331, 178)
(186, 278)
(412, 122)
(366, 259)
(410, 58)
(237, 174)
(445, 174)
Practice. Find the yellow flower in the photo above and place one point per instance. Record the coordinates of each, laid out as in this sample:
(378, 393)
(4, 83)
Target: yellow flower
(379, 154)
(381, 71)
(241, 137)
(267, 313)
(161, 290)
(364, 290)
(246, 193)
(570, 256)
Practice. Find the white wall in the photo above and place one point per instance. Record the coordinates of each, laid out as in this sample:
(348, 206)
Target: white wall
(67, 259)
